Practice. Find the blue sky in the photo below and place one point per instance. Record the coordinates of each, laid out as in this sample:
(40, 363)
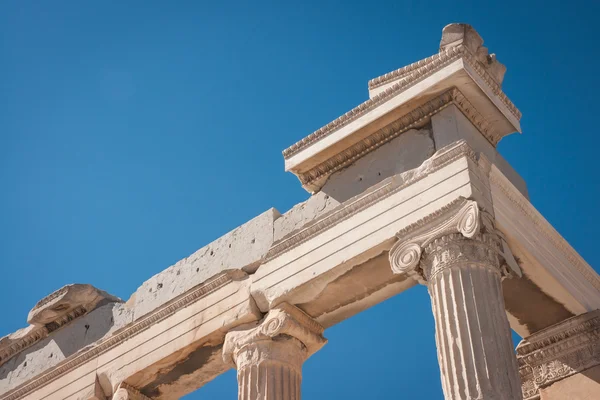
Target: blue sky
(133, 133)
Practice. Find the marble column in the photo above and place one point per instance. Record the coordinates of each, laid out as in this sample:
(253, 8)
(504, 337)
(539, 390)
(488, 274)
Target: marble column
(458, 254)
(269, 356)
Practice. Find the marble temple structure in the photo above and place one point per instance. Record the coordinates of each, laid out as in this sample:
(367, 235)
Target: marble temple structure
(406, 189)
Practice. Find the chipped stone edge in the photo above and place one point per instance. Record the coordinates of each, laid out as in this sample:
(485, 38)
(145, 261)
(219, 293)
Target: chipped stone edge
(125, 333)
(435, 163)
(418, 71)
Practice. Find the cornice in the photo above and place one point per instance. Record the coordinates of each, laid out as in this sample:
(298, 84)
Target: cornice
(37, 333)
(409, 76)
(543, 228)
(418, 117)
(558, 352)
(439, 160)
(16, 346)
(52, 313)
(122, 335)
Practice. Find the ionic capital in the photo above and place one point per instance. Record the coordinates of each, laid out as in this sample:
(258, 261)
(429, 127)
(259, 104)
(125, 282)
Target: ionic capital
(454, 250)
(127, 392)
(284, 323)
(461, 216)
(443, 230)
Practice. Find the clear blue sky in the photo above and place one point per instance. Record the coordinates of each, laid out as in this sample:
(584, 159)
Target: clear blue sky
(133, 134)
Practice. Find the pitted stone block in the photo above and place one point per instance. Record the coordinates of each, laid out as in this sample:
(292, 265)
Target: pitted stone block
(66, 304)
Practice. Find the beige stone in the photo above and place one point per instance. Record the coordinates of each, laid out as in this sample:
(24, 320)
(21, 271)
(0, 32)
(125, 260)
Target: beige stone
(269, 357)
(583, 386)
(66, 304)
(563, 360)
(458, 254)
(241, 249)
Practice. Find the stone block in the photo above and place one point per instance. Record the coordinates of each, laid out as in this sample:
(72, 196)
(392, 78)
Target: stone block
(241, 249)
(67, 303)
(450, 125)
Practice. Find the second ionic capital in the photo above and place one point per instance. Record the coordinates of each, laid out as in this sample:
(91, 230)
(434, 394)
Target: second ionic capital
(284, 324)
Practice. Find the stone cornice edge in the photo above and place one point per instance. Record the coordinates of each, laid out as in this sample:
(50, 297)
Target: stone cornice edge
(414, 73)
(315, 177)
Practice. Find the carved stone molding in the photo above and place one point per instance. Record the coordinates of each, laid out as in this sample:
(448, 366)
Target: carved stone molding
(558, 352)
(128, 392)
(454, 249)
(269, 357)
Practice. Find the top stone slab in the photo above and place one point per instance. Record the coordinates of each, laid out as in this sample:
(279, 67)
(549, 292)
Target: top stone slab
(66, 304)
(463, 73)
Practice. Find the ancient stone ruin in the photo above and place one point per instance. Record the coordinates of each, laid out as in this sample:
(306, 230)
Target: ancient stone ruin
(406, 189)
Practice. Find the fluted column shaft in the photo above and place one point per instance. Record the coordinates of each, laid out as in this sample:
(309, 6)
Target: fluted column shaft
(270, 370)
(269, 356)
(473, 336)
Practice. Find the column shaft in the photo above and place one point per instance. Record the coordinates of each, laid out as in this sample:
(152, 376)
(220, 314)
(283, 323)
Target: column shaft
(272, 370)
(473, 336)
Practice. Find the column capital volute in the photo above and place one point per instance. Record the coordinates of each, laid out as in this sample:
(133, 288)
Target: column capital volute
(283, 321)
(461, 216)
(128, 392)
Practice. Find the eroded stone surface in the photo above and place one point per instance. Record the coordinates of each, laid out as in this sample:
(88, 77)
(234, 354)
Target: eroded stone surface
(59, 345)
(67, 303)
(241, 249)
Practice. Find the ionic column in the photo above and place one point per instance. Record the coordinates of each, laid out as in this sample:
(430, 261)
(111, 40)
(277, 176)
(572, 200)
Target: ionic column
(269, 357)
(459, 256)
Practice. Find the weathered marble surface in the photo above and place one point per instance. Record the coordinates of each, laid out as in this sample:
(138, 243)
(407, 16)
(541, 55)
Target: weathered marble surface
(59, 345)
(67, 303)
(241, 249)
